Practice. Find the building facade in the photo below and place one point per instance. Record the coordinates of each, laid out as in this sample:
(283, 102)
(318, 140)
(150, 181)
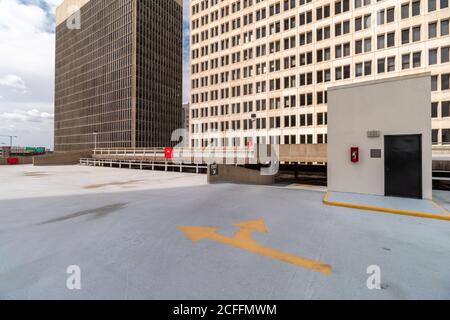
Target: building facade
(263, 67)
(186, 116)
(118, 73)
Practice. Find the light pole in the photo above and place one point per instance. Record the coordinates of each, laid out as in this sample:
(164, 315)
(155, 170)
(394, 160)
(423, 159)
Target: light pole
(254, 116)
(95, 139)
(10, 139)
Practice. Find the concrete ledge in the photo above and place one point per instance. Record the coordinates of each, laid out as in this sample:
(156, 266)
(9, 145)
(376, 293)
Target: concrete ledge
(22, 160)
(364, 206)
(303, 153)
(61, 158)
(231, 173)
(441, 165)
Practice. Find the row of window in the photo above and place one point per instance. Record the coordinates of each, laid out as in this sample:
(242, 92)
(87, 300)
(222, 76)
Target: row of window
(240, 142)
(438, 110)
(443, 134)
(290, 121)
(408, 9)
(384, 65)
(385, 40)
(383, 16)
(442, 112)
(435, 56)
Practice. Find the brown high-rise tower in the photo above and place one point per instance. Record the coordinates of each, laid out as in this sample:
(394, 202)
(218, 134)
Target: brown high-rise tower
(118, 73)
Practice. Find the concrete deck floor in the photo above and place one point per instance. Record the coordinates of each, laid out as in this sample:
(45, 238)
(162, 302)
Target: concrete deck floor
(121, 228)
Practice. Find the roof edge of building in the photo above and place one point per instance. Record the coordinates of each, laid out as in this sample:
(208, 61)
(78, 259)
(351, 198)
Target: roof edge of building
(68, 7)
(377, 81)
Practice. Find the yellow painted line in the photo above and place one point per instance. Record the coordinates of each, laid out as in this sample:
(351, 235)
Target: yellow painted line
(242, 239)
(440, 207)
(419, 214)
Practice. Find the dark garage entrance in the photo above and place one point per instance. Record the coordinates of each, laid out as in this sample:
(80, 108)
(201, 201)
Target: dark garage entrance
(403, 166)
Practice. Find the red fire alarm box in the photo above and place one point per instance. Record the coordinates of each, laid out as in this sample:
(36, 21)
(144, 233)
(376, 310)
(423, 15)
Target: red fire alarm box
(354, 154)
(168, 153)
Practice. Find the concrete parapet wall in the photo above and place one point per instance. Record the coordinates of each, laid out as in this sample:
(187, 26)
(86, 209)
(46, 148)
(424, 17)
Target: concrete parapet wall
(303, 152)
(441, 165)
(61, 158)
(22, 160)
(231, 173)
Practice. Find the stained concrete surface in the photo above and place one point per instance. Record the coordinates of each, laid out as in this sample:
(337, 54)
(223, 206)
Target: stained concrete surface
(126, 241)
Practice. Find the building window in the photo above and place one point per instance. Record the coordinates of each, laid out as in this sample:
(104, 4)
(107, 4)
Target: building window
(381, 65)
(434, 136)
(417, 59)
(358, 24)
(358, 70)
(434, 110)
(445, 54)
(444, 27)
(380, 17)
(380, 41)
(434, 82)
(391, 39)
(391, 64)
(445, 109)
(405, 10)
(416, 8)
(358, 46)
(445, 136)
(405, 61)
(368, 68)
(405, 36)
(431, 5)
(432, 56)
(416, 33)
(390, 15)
(338, 73)
(367, 44)
(432, 30)
(445, 81)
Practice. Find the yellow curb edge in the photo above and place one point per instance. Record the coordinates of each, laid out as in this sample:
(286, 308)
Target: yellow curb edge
(419, 214)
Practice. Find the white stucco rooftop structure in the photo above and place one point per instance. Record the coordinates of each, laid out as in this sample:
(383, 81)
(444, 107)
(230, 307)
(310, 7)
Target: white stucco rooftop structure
(387, 122)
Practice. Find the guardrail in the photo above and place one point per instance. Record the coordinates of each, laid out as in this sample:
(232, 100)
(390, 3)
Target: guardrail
(145, 165)
(152, 152)
(308, 153)
(441, 175)
(185, 155)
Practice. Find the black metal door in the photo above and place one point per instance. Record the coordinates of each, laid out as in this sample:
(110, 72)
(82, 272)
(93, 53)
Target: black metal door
(403, 166)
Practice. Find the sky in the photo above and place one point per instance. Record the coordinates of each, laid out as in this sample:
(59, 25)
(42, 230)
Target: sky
(27, 41)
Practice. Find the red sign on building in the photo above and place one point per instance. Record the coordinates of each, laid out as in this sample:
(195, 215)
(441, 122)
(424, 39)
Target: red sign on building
(12, 161)
(354, 155)
(168, 153)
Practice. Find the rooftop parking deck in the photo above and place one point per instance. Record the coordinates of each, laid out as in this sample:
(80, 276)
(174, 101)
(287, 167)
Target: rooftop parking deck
(138, 235)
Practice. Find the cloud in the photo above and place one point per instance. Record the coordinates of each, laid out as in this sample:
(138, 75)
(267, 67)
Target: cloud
(33, 115)
(27, 70)
(27, 60)
(14, 82)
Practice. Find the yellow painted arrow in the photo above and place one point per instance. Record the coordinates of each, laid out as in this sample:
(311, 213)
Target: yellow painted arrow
(243, 239)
